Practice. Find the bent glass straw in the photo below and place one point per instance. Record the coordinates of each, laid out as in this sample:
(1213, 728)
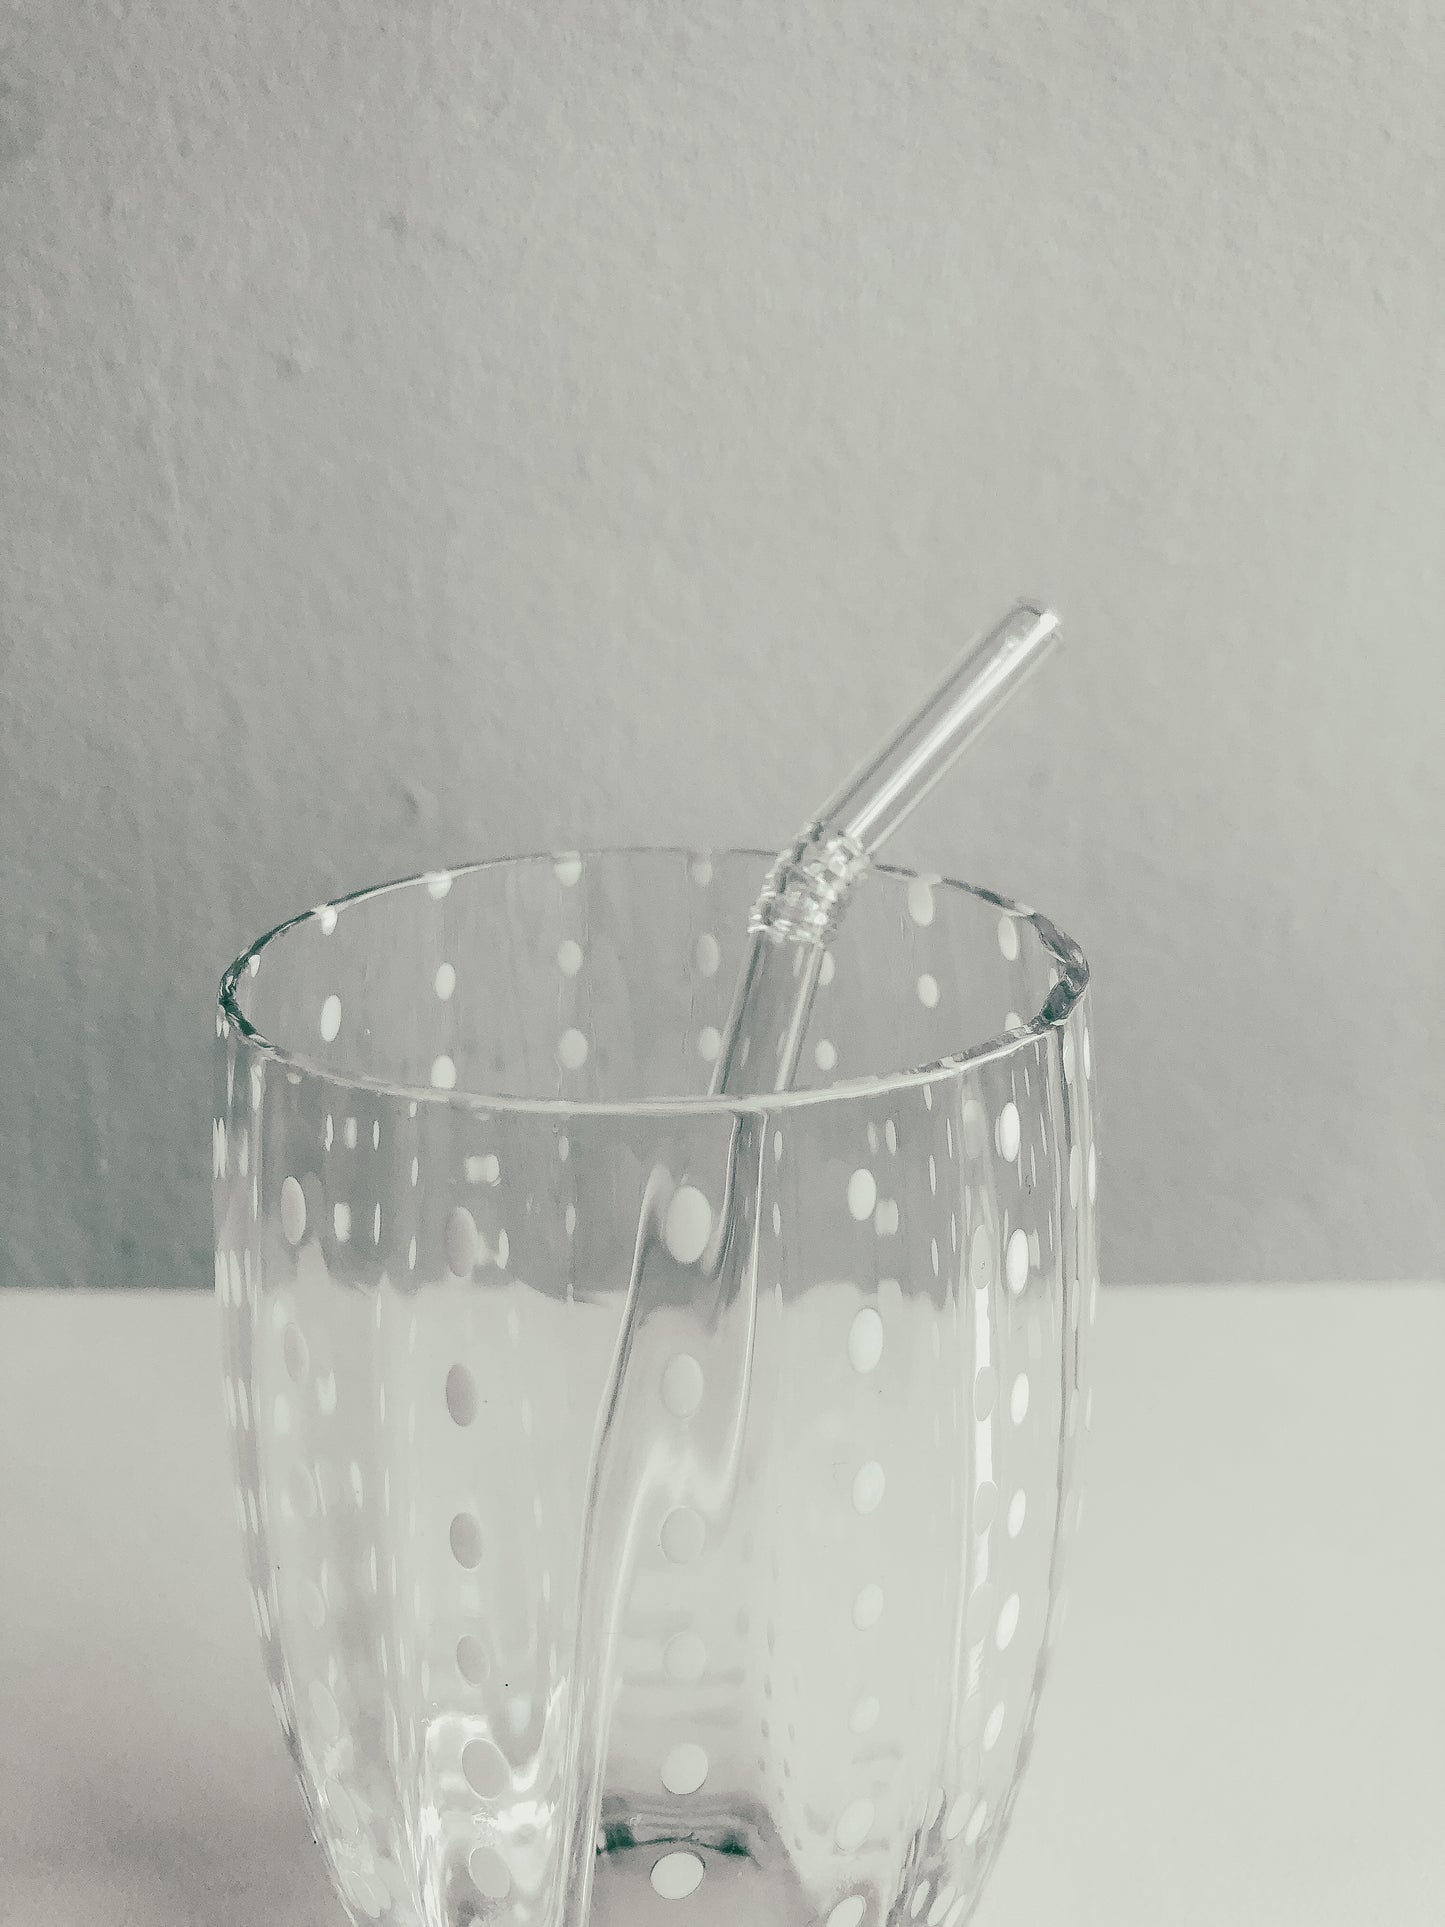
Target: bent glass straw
(808, 888)
(792, 922)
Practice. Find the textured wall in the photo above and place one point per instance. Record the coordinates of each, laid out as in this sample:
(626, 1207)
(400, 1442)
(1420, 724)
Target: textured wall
(435, 430)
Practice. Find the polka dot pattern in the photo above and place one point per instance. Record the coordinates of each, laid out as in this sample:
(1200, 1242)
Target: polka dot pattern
(414, 1295)
(685, 1768)
(862, 1194)
(682, 1385)
(688, 1224)
(676, 1875)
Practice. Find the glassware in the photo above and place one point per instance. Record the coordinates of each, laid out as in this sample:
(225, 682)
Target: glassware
(440, 1104)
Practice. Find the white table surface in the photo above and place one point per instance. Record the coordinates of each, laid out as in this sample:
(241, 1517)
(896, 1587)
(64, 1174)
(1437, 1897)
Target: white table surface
(1245, 1721)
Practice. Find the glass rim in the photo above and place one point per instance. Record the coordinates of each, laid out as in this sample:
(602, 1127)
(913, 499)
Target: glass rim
(1058, 1007)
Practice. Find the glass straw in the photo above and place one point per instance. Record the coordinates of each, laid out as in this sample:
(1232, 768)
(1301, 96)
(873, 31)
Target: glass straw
(810, 882)
(792, 922)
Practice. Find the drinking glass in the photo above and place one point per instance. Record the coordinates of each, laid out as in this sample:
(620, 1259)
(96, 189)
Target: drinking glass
(439, 1106)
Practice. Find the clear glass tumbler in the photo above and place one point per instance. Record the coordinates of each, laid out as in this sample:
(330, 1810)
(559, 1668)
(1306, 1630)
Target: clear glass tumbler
(439, 1105)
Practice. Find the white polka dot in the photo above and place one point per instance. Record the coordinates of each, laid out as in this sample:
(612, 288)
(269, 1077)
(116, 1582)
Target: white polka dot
(865, 1340)
(1068, 1056)
(928, 990)
(847, 1913)
(862, 1194)
(327, 919)
(1008, 937)
(446, 981)
(677, 1875)
(709, 1043)
(330, 1017)
(1016, 1260)
(572, 1049)
(1093, 1299)
(1006, 1132)
(682, 1385)
(567, 868)
(864, 1716)
(341, 1222)
(1017, 1506)
(466, 1540)
(885, 1218)
(1008, 1621)
(313, 1605)
(868, 1607)
(685, 1658)
(463, 1400)
(688, 1224)
(1088, 1055)
(855, 1823)
(682, 1536)
(1013, 1021)
(1093, 1176)
(1018, 1403)
(489, 1873)
(460, 1242)
(827, 968)
(825, 1054)
(985, 1390)
(685, 1768)
(348, 1134)
(485, 1769)
(341, 1807)
(293, 1212)
(438, 883)
(868, 1487)
(708, 953)
(975, 1823)
(700, 870)
(957, 1815)
(993, 1727)
(920, 1899)
(920, 901)
(941, 1905)
(1076, 1170)
(443, 1073)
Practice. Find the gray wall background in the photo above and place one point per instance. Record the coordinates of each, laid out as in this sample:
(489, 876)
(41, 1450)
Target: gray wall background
(433, 430)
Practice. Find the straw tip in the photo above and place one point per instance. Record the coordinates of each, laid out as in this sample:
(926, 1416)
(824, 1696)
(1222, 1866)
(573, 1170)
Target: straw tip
(1039, 614)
